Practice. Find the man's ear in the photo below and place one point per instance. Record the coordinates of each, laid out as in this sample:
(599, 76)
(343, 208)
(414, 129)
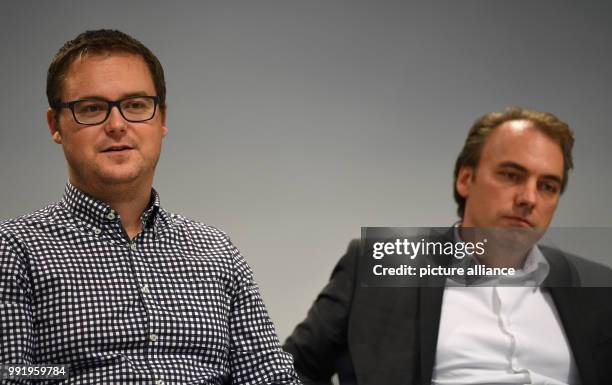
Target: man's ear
(53, 124)
(464, 180)
(163, 122)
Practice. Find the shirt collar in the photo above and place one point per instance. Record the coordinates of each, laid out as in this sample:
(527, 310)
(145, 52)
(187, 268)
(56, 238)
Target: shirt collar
(533, 273)
(98, 214)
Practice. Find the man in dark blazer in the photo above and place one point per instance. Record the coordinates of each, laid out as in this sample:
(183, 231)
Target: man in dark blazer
(510, 174)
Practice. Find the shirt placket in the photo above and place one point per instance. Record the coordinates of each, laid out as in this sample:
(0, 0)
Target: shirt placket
(503, 305)
(145, 280)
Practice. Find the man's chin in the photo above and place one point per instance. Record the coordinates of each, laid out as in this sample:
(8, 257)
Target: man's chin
(118, 176)
(514, 238)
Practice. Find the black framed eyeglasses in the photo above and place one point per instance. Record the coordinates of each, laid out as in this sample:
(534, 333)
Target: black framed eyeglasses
(95, 111)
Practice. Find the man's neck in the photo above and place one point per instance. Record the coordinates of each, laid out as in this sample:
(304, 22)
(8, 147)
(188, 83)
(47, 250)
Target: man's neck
(130, 201)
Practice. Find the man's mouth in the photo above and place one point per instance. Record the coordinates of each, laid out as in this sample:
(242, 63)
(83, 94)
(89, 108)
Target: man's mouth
(519, 221)
(117, 148)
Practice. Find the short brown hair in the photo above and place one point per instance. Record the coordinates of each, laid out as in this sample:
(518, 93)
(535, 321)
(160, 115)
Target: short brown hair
(96, 42)
(546, 122)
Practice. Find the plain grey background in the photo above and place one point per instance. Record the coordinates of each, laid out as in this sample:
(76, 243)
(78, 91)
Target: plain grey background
(294, 123)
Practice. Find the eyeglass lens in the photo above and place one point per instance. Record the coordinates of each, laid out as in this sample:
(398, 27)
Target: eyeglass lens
(135, 109)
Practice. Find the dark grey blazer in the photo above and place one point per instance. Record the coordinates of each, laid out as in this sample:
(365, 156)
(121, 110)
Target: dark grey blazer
(388, 335)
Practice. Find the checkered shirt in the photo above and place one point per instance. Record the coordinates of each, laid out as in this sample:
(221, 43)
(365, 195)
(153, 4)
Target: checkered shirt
(175, 305)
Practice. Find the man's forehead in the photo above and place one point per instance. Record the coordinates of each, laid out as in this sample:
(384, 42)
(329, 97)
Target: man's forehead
(92, 71)
(96, 59)
(523, 143)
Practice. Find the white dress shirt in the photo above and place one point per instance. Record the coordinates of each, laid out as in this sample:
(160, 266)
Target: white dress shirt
(499, 334)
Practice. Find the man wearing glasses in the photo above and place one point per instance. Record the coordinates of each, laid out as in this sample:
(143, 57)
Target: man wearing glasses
(106, 282)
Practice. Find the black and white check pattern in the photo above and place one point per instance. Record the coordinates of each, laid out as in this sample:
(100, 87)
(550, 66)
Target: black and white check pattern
(175, 305)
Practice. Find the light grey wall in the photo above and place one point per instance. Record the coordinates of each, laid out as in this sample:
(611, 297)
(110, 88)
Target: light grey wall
(293, 123)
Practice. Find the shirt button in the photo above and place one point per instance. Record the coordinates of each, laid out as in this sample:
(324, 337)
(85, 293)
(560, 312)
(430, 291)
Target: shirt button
(133, 246)
(152, 337)
(145, 289)
(97, 231)
(110, 216)
(159, 382)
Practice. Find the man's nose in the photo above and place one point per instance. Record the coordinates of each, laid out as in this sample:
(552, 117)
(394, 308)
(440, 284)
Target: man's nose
(527, 195)
(115, 123)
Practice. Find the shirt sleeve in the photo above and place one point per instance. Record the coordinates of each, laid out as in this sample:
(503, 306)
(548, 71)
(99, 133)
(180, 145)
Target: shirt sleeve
(256, 357)
(15, 305)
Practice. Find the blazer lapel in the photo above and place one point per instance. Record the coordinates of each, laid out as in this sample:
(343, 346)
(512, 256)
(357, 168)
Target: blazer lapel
(431, 294)
(430, 307)
(563, 284)
(394, 330)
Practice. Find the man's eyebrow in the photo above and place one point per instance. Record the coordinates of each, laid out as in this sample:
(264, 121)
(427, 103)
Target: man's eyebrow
(513, 165)
(518, 167)
(553, 178)
(128, 95)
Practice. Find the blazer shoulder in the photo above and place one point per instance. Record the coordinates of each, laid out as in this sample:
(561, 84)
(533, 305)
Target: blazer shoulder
(583, 272)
